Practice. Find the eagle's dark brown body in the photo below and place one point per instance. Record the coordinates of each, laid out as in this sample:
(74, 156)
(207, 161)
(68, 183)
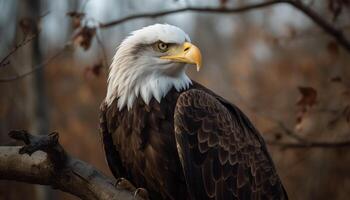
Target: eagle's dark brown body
(146, 148)
(192, 145)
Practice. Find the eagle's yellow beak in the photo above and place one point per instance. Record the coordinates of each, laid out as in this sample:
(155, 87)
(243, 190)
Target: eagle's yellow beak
(187, 53)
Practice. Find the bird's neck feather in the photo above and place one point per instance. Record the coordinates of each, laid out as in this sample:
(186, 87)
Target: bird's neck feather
(126, 85)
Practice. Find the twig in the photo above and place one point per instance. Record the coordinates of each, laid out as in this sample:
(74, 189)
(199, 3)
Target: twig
(103, 49)
(326, 26)
(303, 142)
(290, 133)
(193, 9)
(72, 175)
(36, 68)
(25, 41)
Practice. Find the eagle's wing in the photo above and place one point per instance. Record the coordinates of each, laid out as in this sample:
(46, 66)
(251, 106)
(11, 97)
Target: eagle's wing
(112, 155)
(222, 154)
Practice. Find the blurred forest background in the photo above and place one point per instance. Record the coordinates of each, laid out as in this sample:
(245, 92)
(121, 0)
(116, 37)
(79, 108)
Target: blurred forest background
(284, 71)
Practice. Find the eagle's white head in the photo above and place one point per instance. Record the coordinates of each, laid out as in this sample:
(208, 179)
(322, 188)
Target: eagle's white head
(149, 63)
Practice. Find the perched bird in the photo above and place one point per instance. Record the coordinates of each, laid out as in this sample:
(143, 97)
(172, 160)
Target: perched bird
(172, 136)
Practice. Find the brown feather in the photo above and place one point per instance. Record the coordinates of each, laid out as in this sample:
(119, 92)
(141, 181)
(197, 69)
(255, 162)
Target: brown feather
(193, 145)
(250, 173)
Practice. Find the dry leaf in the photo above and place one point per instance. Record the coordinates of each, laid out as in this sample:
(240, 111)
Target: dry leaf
(84, 37)
(300, 116)
(278, 136)
(223, 3)
(347, 113)
(308, 96)
(76, 18)
(333, 48)
(336, 7)
(346, 92)
(308, 99)
(336, 79)
(291, 31)
(94, 70)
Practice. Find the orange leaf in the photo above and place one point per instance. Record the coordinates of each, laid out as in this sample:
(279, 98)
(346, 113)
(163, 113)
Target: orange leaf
(347, 113)
(308, 97)
(223, 3)
(76, 18)
(336, 79)
(84, 37)
(333, 48)
(94, 70)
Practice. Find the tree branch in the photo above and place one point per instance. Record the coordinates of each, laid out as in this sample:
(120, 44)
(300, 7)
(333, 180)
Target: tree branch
(35, 68)
(103, 50)
(290, 133)
(55, 168)
(326, 26)
(193, 9)
(337, 34)
(301, 142)
(4, 61)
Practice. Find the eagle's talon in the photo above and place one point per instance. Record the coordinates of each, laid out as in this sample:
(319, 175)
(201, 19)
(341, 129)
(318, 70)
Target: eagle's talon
(122, 183)
(141, 193)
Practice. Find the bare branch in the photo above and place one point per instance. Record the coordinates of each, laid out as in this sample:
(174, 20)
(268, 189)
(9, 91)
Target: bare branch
(25, 41)
(55, 168)
(193, 9)
(301, 142)
(337, 34)
(289, 132)
(326, 26)
(36, 68)
(103, 50)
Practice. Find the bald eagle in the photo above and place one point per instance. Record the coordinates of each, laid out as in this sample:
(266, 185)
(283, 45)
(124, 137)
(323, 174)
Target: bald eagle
(166, 133)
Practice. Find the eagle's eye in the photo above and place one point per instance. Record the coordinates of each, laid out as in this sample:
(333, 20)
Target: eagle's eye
(162, 47)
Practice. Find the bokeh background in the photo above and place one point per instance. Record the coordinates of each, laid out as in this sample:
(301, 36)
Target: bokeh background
(277, 65)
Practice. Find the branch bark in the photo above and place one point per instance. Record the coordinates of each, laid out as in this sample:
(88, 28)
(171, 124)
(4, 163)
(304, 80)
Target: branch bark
(52, 166)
